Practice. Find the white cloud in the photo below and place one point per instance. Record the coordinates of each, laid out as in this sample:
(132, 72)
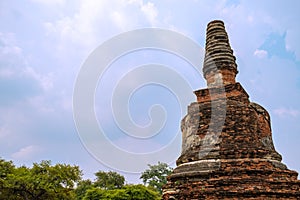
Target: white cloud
(93, 21)
(150, 11)
(8, 45)
(282, 112)
(120, 20)
(11, 50)
(15, 65)
(260, 53)
(26, 152)
(80, 27)
(46, 81)
(270, 16)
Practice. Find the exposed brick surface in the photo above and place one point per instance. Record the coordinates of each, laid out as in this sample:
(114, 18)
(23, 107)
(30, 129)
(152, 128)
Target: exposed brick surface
(227, 147)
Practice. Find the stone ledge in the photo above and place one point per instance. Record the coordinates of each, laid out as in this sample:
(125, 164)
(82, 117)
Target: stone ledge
(219, 166)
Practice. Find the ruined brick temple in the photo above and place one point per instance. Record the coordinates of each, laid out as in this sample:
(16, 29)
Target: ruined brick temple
(227, 147)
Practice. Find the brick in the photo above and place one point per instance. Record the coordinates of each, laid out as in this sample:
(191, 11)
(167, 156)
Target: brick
(227, 147)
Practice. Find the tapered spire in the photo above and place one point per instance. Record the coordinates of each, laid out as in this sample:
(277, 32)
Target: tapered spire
(219, 66)
(227, 146)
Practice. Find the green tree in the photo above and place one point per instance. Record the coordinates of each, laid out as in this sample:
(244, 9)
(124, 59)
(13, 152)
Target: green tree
(128, 192)
(82, 187)
(6, 168)
(42, 181)
(156, 176)
(141, 192)
(109, 180)
(100, 194)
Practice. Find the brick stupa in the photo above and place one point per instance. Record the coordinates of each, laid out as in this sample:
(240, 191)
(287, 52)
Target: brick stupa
(227, 147)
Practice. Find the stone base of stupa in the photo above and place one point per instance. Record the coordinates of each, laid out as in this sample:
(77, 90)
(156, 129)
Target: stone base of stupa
(232, 179)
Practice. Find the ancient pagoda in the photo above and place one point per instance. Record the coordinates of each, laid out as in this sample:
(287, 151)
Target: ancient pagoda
(227, 147)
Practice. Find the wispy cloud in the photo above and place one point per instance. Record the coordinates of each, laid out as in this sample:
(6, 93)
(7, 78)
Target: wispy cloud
(150, 12)
(260, 53)
(26, 152)
(283, 112)
(85, 26)
(18, 80)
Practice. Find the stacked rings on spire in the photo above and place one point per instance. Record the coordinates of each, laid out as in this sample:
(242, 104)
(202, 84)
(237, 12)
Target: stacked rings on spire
(218, 53)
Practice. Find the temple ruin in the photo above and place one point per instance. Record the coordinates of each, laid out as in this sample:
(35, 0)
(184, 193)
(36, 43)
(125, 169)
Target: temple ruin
(227, 147)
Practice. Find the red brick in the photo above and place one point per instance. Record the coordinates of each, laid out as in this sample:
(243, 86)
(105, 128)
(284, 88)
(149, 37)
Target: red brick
(227, 147)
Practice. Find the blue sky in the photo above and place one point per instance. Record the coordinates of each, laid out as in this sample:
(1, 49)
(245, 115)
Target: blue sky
(43, 44)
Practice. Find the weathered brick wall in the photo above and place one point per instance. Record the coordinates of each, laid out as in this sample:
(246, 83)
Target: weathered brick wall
(244, 133)
(240, 162)
(235, 179)
(227, 147)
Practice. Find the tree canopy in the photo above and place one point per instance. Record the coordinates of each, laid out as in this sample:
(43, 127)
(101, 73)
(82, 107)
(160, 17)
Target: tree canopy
(41, 181)
(44, 181)
(109, 180)
(156, 175)
(128, 192)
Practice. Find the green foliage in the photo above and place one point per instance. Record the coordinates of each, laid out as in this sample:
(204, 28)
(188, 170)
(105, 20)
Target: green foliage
(6, 168)
(42, 181)
(128, 192)
(141, 192)
(82, 187)
(109, 180)
(99, 194)
(156, 176)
